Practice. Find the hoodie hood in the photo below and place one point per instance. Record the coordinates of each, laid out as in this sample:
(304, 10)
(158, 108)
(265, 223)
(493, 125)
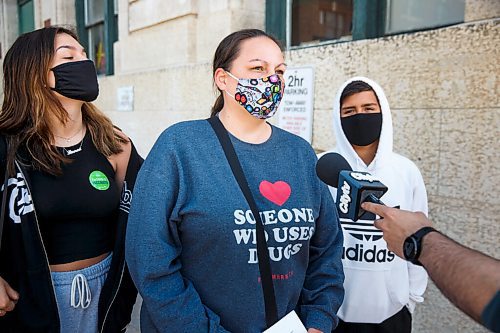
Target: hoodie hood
(385, 142)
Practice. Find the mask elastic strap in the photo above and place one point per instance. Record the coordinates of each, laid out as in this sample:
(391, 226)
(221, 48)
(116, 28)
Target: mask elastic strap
(231, 75)
(52, 69)
(234, 77)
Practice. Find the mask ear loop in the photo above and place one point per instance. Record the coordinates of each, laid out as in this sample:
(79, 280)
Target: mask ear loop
(234, 77)
(55, 79)
(231, 75)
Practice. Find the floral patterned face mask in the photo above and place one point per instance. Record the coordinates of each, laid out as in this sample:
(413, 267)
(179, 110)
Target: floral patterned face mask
(260, 97)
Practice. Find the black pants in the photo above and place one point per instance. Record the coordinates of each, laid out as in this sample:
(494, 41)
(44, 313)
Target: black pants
(399, 323)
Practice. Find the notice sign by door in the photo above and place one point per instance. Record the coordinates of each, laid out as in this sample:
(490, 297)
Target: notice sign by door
(296, 109)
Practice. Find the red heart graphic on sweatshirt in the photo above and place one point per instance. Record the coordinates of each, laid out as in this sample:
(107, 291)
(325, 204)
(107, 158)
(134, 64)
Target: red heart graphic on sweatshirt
(277, 193)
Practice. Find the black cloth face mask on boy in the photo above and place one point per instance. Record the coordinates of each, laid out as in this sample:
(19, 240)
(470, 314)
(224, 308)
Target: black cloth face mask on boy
(362, 129)
(77, 80)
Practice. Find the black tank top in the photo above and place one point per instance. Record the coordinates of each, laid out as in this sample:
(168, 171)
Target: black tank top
(77, 211)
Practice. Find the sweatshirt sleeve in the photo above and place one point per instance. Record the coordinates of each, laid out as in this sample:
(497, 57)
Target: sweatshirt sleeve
(417, 274)
(153, 247)
(323, 290)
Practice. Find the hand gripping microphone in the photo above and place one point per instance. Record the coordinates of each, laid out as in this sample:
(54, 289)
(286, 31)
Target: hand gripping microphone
(353, 187)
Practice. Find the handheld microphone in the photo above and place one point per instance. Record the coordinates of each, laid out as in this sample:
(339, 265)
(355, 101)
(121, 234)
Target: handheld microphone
(353, 187)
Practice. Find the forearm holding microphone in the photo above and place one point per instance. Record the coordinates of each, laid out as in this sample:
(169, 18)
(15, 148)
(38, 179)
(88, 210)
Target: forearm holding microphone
(468, 278)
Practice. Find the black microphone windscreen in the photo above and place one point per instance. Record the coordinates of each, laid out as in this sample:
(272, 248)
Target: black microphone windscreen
(329, 166)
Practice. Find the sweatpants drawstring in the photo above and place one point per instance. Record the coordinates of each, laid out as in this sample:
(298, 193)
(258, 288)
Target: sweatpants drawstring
(84, 296)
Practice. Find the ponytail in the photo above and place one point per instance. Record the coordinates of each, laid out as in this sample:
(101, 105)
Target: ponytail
(218, 105)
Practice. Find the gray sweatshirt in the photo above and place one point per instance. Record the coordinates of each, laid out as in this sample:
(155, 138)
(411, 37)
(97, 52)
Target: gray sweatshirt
(191, 242)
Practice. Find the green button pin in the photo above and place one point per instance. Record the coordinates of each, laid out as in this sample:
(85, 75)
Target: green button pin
(99, 180)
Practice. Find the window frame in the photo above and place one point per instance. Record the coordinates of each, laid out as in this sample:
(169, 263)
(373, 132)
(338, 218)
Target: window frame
(364, 25)
(21, 3)
(110, 29)
(409, 31)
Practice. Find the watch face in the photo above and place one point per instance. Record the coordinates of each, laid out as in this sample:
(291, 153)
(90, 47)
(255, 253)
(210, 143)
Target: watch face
(410, 248)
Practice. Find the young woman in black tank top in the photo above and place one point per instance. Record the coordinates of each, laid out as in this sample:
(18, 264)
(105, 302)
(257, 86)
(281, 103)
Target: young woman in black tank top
(73, 165)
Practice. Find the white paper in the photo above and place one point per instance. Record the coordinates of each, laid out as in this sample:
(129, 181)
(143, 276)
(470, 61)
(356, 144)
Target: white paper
(288, 324)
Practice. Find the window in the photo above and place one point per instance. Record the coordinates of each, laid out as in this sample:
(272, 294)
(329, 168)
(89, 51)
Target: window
(306, 22)
(407, 15)
(94, 24)
(98, 30)
(26, 16)
(320, 20)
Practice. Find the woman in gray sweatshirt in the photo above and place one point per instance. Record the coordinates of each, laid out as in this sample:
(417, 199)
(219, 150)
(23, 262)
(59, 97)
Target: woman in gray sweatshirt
(191, 238)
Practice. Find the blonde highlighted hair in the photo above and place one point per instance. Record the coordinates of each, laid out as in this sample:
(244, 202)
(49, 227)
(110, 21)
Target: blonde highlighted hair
(29, 105)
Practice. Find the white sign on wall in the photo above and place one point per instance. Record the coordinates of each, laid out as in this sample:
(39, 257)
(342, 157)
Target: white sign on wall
(125, 98)
(296, 109)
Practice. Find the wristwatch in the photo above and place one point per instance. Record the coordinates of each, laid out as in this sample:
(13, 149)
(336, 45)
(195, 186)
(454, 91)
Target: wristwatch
(412, 247)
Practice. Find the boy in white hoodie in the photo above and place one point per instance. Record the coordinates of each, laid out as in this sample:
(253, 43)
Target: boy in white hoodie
(381, 289)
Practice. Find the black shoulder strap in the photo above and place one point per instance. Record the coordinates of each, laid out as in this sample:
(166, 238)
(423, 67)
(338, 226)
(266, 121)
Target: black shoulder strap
(262, 250)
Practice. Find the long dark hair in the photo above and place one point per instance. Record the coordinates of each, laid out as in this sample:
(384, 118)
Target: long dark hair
(28, 104)
(228, 50)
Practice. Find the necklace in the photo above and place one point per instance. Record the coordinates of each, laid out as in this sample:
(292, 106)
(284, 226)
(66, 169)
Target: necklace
(68, 139)
(74, 151)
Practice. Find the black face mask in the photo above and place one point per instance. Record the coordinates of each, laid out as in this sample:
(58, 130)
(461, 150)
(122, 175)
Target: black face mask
(362, 129)
(77, 80)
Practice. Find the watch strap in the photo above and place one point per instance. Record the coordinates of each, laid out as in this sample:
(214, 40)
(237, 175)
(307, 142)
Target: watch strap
(418, 236)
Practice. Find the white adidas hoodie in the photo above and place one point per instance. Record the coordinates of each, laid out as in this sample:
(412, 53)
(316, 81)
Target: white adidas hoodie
(377, 282)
